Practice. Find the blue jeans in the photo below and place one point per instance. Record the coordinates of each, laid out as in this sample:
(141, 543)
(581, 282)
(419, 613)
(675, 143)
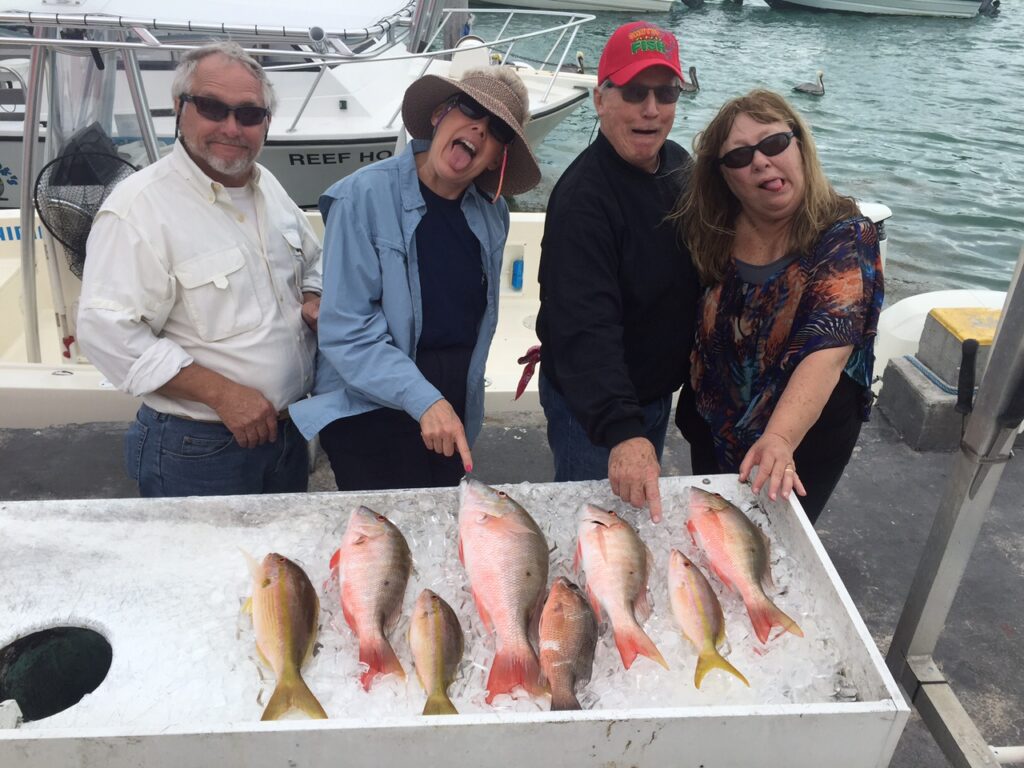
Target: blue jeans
(171, 456)
(576, 458)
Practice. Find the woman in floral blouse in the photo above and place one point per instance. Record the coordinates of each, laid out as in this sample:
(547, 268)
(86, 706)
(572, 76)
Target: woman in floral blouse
(784, 356)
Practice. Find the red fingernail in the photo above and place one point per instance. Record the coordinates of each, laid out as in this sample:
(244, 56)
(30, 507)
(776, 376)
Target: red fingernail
(469, 467)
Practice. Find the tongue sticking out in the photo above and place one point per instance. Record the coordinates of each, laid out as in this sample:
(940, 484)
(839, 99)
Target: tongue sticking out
(772, 186)
(460, 156)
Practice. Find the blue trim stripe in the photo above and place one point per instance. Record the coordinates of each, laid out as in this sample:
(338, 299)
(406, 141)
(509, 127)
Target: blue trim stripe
(14, 233)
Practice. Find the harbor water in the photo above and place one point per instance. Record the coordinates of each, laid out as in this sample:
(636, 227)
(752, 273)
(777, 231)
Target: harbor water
(921, 114)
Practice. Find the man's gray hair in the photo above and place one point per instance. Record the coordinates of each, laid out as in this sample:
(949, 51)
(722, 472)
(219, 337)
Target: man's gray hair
(232, 51)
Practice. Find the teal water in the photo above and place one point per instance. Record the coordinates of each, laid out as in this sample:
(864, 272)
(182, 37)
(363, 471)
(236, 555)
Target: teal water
(925, 115)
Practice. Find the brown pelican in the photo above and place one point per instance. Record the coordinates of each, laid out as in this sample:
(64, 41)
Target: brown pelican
(693, 85)
(813, 89)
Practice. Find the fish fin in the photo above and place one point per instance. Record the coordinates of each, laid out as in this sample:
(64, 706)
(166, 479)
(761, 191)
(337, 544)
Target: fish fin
(255, 570)
(247, 605)
(764, 615)
(335, 560)
(632, 641)
(485, 617)
(293, 693)
(722, 577)
(693, 531)
(642, 605)
(577, 559)
(380, 659)
(462, 557)
(350, 617)
(564, 701)
(712, 659)
(594, 603)
(514, 667)
(439, 704)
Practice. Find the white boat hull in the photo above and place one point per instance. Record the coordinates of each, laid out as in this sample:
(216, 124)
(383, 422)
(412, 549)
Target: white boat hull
(954, 8)
(588, 6)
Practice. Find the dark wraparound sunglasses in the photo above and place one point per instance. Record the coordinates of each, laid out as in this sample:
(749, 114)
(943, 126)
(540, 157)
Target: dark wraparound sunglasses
(769, 146)
(218, 111)
(472, 109)
(635, 93)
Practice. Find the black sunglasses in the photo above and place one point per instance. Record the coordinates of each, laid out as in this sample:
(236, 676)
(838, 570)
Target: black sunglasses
(769, 146)
(472, 109)
(218, 111)
(634, 93)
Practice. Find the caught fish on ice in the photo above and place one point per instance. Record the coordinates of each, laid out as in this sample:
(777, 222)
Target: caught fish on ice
(737, 551)
(568, 639)
(617, 565)
(437, 643)
(373, 565)
(699, 614)
(506, 557)
(285, 615)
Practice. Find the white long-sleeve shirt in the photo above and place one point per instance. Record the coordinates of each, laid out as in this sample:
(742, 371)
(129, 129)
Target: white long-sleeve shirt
(175, 274)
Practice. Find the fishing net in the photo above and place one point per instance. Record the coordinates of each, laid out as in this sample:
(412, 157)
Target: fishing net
(71, 188)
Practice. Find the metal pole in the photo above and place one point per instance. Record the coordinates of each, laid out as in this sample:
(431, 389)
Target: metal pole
(984, 451)
(134, 77)
(30, 135)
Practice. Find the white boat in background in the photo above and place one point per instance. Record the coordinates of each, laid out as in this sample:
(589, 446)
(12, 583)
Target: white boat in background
(339, 70)
(588, 6)
(963, 9)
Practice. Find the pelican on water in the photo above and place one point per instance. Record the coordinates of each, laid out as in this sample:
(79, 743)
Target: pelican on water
(813, 89)
(693, 85)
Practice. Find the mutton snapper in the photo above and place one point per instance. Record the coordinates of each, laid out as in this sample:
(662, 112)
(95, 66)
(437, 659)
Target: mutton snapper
(738, 554)
(285, 614)
(568, 639)
(617, 565)
(437, 643)
(373, 565)
(506, 558)
(699, 614)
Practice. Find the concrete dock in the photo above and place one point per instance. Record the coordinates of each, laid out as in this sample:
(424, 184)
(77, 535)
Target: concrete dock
(874, 530)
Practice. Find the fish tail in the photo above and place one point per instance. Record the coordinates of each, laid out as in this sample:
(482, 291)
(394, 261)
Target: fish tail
(764, 615)
(712, 659)
(293, 693)
(632, 641)
(562, 701)
(380, 659)
(438, 703)
(512, 667)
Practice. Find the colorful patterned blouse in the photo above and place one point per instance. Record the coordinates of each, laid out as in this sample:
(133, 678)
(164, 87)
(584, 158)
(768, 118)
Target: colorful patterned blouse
(752, 337)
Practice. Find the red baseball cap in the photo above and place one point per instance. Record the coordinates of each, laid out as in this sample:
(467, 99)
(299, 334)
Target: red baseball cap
(634, 47)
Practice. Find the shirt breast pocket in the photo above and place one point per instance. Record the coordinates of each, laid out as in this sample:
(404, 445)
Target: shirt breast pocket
(219, 294)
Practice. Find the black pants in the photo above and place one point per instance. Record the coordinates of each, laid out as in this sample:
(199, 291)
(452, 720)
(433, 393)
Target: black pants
(382, 449)
(820, 458)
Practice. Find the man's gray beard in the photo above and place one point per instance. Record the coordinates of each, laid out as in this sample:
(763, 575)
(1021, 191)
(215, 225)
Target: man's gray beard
(234, 168)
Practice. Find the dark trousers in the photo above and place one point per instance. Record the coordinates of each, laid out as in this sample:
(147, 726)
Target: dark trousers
(382, 449)
(820, 458)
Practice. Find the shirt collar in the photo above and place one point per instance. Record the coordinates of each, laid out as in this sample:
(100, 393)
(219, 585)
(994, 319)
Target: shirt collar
(184, 165)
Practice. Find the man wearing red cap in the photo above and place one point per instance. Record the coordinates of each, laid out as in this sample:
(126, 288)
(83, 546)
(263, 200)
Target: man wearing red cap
(618, 290)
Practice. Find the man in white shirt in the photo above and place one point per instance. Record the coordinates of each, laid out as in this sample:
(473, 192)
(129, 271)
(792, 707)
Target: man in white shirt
(201, 294)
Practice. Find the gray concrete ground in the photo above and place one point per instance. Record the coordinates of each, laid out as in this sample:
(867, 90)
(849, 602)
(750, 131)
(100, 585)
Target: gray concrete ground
(874, 529)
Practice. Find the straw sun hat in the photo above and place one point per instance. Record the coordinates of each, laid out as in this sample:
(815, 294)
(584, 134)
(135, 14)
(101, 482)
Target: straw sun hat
(493, 91)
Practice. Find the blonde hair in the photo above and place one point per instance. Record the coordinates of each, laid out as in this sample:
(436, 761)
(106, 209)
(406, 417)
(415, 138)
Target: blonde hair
(706, 213)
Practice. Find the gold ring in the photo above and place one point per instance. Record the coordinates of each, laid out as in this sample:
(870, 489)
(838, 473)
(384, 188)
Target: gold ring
(789, 469)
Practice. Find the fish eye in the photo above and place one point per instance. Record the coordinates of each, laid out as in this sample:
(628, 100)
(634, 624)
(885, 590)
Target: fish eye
(502, 494)
(381, 518)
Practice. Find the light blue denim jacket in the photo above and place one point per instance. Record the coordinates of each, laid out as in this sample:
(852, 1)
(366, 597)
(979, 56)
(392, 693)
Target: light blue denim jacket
(371, 314)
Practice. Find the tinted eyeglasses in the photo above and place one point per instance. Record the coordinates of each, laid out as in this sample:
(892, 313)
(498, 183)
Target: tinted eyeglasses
(218, 111)
(472, 109)
(634, 93)
(769, 146)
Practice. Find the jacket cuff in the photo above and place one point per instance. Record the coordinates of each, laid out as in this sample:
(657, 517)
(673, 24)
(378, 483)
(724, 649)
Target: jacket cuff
(621, 431)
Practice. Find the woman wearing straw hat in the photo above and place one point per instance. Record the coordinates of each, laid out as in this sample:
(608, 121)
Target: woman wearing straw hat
(412, 257)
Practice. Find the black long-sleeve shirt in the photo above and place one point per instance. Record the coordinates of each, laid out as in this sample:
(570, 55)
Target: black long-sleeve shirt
(618, 290)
